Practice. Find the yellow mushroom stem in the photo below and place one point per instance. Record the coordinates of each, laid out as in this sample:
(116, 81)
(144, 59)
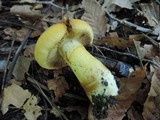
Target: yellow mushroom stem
(93, 76)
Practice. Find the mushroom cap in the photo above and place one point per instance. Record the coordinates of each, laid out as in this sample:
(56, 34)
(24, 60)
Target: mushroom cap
(46, 48)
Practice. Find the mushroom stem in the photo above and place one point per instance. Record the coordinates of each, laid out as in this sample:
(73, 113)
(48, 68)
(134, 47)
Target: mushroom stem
(93, 76)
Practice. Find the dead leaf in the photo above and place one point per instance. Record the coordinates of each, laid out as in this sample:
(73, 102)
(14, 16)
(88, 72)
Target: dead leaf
(151, 110)
(81, 110)
(14, 95)
(140, 51)
(58, 84)
(21, 67)
(133, 114)
(95, 16)
(111, 5)
(113, 41)
(128, 90)
(11, 33)
(26, 12)
(135, 37)
(125, 4)
(151, 51)
(29, 51)
(32, 110)
(151, 12)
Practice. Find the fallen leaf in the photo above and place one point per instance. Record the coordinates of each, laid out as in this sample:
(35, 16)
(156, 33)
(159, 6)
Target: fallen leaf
(151, 110)
(128, 90)
(151, 51)
(151, 12)
(21, 67)
(136, 37)
(81, 110)
(58, 84)
(32, 110)
(95, 16)
(11, 33)
(111, 5)
(113, 41)
(133, 114)
(14, 95)
(26, 12)
(29, 51)
(140, 51)
(125, 4)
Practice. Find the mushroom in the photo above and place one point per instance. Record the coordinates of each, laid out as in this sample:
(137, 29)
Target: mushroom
(63, 44)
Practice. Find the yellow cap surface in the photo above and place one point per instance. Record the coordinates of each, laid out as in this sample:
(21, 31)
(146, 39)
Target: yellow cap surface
(46, 53)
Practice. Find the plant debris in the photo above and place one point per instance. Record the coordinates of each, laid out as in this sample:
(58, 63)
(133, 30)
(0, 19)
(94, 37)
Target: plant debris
(126, 41)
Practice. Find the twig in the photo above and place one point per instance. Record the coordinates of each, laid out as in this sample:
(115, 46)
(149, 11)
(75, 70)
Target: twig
(1, 46)
(151, 40)
(130, 55)
(5, 71)
(24, 42)
(98, 49)
(49, 3)
(13, 23)
(138, 53)
(139, 28)
(49, 101)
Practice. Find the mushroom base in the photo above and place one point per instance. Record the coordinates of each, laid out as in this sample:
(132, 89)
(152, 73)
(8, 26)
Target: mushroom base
(93, 76)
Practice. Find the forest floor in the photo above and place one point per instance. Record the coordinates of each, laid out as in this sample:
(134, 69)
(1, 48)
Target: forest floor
(126, 41)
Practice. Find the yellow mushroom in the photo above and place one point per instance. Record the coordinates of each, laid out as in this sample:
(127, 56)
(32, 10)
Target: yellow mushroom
(63, 44)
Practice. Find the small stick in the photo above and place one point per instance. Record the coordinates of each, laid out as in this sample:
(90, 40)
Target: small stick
(131, 55)
(139, 28)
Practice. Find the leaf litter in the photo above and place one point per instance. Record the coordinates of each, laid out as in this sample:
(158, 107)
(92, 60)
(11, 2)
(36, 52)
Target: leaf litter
(128, 45)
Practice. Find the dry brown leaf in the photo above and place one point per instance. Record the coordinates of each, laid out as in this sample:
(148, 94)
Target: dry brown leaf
(140, 51)
(21, 67)
(14, 95)
(26, 12)
(125, 4)
(133, 114)
(128, 90)
(59, 85)
(32, 110)
(11, 33)
(151, 12)
(95, 16)
(29, 51)
(113, 40)
(136, 37)
(81, 110)
(151, 110)
(151, 51)
(146, 51)
(111, 5)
